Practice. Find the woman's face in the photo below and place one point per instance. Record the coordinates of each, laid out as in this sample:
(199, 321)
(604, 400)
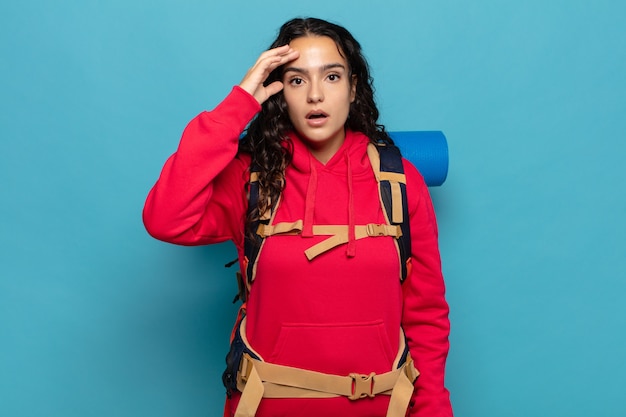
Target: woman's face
(318, 90)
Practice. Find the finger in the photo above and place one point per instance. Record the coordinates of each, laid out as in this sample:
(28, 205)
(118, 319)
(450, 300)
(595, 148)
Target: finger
(273, 88)
(271, 63)
(271, 53)
(267, 62)
(275, 51)
(259, 73)
(276, 57)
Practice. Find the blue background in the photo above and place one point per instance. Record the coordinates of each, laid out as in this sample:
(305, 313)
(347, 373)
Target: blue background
(98, 319)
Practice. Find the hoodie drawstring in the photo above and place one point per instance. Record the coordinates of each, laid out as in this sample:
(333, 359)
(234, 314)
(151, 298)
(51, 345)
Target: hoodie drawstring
(309, 206)
(351, 249)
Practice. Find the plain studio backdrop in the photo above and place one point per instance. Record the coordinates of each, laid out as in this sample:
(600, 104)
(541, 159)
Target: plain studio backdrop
(98, 319)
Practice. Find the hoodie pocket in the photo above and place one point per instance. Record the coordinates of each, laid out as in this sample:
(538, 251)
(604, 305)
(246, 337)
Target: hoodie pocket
(335, 348)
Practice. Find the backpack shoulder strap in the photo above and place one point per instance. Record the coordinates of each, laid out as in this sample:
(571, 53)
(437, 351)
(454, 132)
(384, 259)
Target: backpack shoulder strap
(254, 242)
(386, 162)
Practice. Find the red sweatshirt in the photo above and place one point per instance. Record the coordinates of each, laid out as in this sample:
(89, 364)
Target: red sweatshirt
(340, 312)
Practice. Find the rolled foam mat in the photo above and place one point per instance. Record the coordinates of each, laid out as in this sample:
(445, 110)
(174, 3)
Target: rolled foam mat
(428, 151)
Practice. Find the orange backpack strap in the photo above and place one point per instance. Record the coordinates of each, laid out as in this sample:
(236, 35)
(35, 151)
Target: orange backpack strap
(253, 244)
(386, 162)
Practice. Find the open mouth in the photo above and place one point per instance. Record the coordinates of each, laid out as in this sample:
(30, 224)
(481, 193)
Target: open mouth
(316, 115)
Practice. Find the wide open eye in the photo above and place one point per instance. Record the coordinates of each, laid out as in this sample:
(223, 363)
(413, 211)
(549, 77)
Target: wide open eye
(296, 81)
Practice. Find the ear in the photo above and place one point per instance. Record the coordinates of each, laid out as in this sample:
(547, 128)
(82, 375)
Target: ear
(353, 82)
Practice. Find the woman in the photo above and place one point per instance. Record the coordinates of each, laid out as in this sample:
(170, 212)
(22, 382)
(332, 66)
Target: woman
(339, 312)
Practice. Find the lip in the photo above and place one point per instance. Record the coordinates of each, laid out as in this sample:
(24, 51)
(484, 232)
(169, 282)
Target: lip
(316, 121)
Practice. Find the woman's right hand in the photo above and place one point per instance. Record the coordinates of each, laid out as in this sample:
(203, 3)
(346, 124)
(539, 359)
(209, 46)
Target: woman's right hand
(268, 61)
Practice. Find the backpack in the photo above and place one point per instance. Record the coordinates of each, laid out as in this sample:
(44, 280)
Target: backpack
(386, 161)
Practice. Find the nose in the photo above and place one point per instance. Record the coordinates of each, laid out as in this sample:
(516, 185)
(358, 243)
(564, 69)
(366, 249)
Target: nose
(315, 93)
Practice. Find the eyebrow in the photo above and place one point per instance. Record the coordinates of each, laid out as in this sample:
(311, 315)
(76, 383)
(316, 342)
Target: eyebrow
(322, 68)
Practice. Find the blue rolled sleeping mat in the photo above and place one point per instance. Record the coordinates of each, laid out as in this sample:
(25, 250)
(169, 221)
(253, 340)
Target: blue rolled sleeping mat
(428, 151)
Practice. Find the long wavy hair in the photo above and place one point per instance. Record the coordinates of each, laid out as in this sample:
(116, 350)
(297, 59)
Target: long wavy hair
(266, 137)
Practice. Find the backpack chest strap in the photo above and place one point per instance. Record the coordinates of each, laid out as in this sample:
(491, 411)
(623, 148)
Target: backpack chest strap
(338, 234)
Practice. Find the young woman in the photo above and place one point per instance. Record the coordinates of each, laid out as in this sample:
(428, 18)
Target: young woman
(325, 328)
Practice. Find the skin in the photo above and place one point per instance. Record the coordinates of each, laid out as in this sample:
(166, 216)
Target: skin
(317, 86)
(267, 62)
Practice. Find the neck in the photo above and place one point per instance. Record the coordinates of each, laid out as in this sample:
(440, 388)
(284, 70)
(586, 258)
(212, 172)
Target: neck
(324, 151)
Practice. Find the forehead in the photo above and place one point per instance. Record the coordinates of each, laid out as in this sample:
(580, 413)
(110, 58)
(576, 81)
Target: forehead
(316, 51)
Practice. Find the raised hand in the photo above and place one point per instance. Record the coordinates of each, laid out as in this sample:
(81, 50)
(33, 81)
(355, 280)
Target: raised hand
(268, 61)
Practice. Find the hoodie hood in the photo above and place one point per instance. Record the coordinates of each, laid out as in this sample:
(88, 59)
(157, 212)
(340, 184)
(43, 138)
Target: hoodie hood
(349, 162)
(354, 147)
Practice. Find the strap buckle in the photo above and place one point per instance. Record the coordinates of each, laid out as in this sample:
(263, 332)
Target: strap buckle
(245, 368)
(409, 369)
(377, 230)
(362, 386)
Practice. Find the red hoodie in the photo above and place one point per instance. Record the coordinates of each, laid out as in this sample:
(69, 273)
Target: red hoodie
(340, 312)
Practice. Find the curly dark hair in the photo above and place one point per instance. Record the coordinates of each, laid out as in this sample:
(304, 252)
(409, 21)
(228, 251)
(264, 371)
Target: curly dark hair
(266, 138)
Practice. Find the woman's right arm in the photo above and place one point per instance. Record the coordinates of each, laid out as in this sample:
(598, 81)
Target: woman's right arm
(199, 197)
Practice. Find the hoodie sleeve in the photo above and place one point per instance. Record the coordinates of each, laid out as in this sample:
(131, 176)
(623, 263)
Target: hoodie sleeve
(425, 310)
(199, 197)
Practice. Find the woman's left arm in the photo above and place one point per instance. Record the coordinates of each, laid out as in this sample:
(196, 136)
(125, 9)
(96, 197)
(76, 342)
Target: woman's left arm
(425, 310)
